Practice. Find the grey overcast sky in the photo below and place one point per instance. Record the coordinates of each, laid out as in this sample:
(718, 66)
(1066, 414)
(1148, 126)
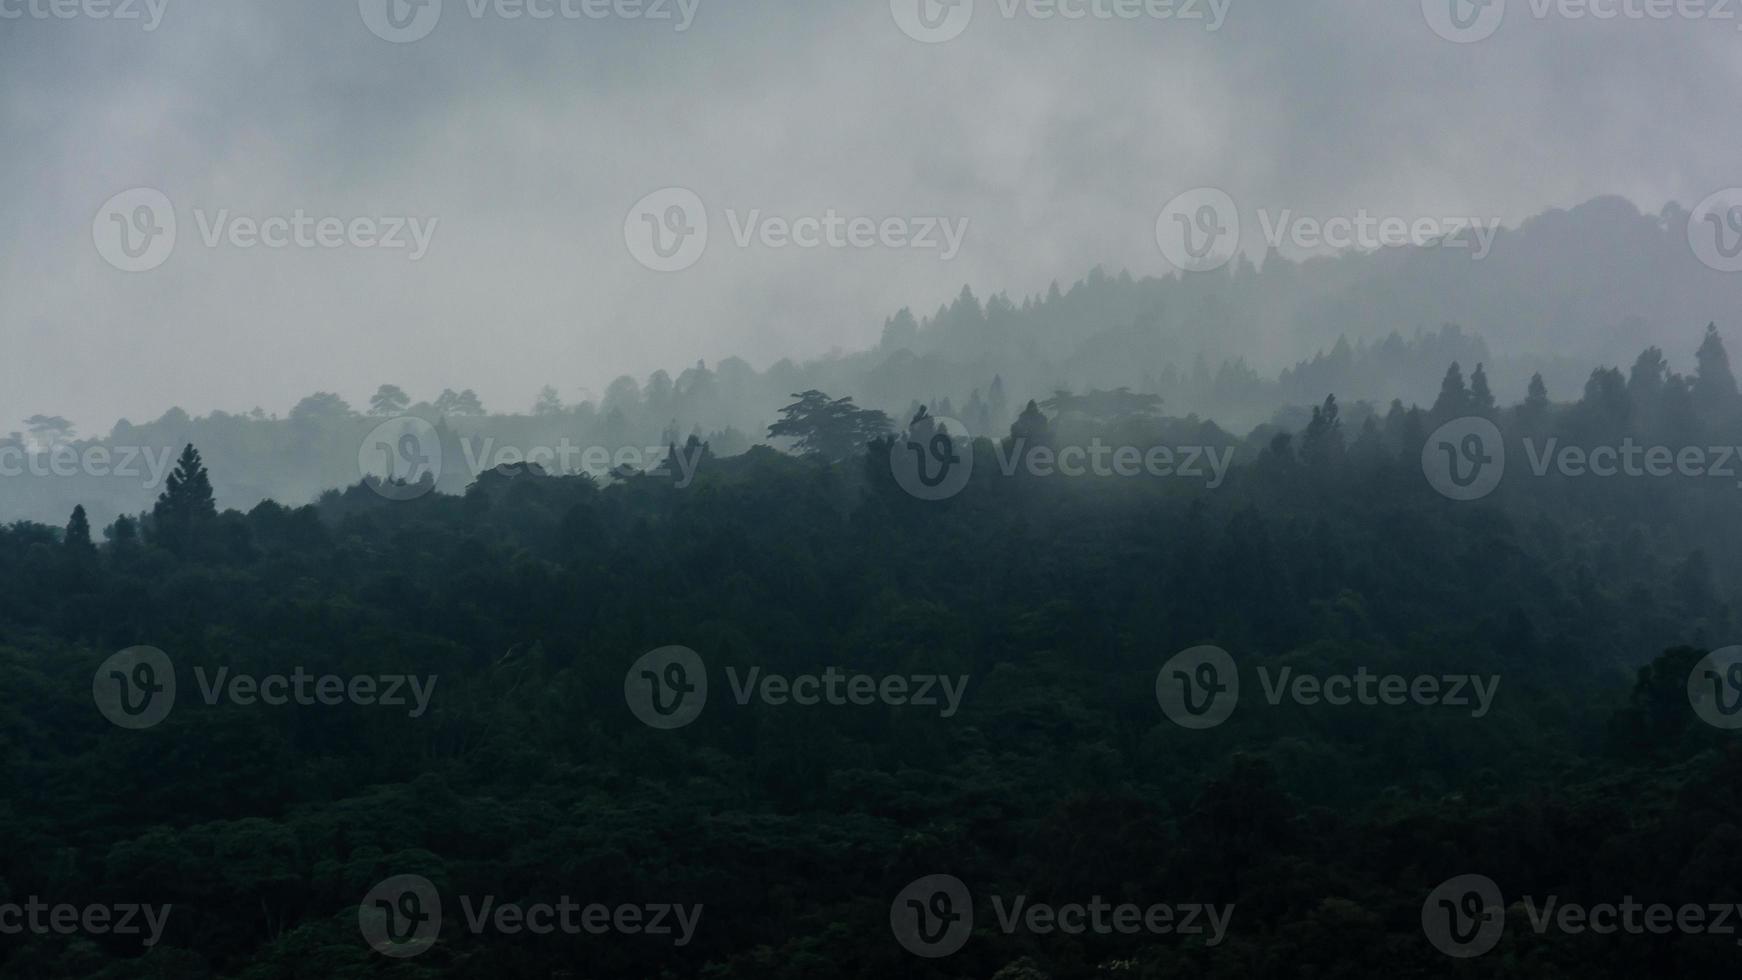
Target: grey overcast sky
(529, 140)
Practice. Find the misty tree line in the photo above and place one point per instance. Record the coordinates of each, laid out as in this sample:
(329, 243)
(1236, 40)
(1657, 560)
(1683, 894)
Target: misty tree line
(529, 594)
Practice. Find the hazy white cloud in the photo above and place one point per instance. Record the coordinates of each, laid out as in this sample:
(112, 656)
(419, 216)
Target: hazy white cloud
(529, 140)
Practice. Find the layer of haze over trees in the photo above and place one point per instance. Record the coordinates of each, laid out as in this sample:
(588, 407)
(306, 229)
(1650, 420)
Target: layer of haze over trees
(1244, 346)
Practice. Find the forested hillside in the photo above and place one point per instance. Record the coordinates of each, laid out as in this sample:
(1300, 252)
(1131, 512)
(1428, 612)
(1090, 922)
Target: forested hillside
(1239, 346)
(1020, 625)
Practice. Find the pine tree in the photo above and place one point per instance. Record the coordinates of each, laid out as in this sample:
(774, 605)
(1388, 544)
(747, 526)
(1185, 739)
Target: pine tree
(186, 502)
(78, 536)
(548, 403)
(1369, 446)
(1537, 395)
(1454, 400)
(1534, 411)
(900, 331)
(1414, 431)
(1322, 443)
(1394, 421)
(1030, 429)
(1645, 380)
(1714, 385)
(1481, 398)
(123, 534)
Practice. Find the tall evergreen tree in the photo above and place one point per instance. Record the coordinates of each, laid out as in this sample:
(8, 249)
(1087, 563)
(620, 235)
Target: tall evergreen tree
(78, 536)
(1454, 399)
(1481, 398)
(1714, 390)
(124, 533)
(1030, 429)
(186, 502)
(1322, 444)
(1534, 412)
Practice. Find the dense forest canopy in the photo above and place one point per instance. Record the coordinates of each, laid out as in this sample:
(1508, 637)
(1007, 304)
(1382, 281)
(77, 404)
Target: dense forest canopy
(440, 688)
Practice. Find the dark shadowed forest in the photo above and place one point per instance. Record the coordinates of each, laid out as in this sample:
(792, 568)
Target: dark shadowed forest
(1515, 699)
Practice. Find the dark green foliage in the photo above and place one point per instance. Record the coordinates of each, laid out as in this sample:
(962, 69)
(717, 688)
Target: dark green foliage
(529, 778)
(830, 429)
(186, 506)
